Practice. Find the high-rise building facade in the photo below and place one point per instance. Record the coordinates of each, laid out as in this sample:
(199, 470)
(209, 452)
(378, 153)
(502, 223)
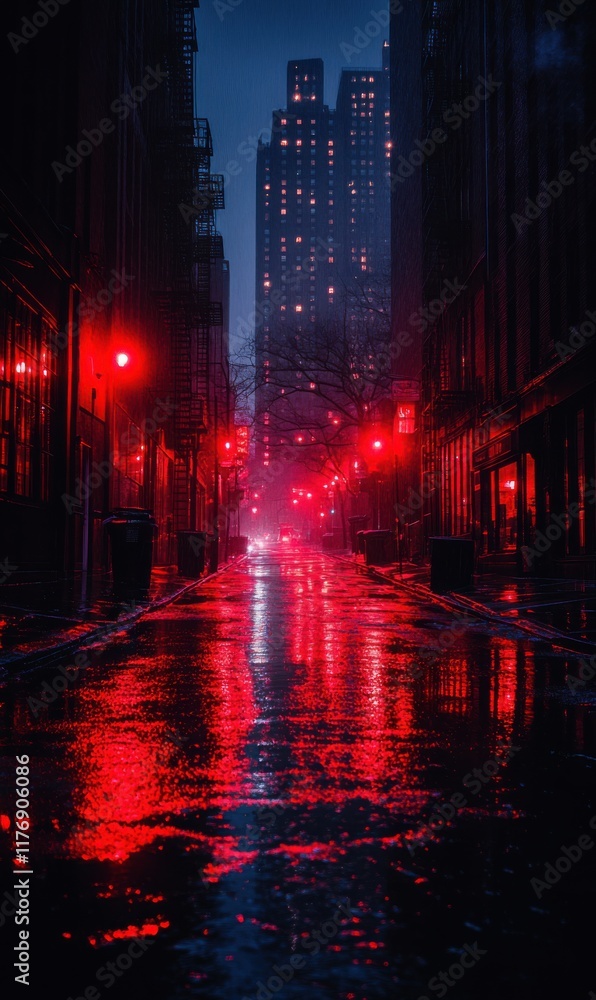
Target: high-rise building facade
(106, 381)
(323, 208)
(494, 179)
(363, 150)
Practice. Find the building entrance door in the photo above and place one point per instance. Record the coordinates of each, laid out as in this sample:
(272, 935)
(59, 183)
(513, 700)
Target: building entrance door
(501, 491)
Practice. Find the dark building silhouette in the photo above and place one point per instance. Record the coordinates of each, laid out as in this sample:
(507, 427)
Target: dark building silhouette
(363, 149)
(107, 215)
(322, 233)
(493, 222)
(295, 218)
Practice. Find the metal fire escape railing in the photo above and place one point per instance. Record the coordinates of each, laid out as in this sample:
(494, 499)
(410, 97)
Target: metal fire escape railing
(191, 197)
(203, 234)
(180, 152)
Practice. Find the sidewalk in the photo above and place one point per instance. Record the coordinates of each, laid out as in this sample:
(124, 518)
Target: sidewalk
(40, 622)
(560, 611)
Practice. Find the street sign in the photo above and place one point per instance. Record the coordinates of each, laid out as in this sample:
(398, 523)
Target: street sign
(405, 390)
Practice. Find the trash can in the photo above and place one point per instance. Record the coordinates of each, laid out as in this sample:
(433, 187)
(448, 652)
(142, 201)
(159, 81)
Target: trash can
(451, 564)
(360, 547)
(357, 524)
(213, 552)
(191, 553)
(237, 546)
(327, 541)
(380, 548)
(131, 531)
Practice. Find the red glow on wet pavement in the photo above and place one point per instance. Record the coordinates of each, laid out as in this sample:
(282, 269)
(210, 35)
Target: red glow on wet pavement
(304, 751)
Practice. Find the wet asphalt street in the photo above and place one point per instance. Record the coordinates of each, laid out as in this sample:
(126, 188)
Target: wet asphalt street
(271, 786)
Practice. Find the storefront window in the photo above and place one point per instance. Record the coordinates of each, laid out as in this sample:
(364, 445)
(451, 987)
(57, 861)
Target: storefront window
(505, 507)
(129, 461)
(530, 494)
(457, 486)
(27, 388)
(6, 397)
(46, 415)
(581, 480)
(164, 502)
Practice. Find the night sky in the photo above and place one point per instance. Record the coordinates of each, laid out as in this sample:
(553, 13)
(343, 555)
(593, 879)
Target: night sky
(241, 72)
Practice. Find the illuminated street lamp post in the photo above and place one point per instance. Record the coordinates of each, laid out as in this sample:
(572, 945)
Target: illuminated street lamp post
(122, 359)
(377, 447)
(214, 547)
(397, 517)
(211, 366)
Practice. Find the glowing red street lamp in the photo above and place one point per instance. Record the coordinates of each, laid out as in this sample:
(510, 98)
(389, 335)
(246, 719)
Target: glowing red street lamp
(122, 359)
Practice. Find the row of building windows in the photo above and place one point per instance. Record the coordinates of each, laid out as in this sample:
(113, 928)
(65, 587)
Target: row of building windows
(284, 121)
(299, 142)
(27, 400)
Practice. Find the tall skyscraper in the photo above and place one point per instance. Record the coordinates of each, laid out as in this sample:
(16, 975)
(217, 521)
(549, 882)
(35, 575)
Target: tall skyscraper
(323, 218)
(363, 149)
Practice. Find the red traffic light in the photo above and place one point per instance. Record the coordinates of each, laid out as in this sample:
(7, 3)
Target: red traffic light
(375, 445)
(227, 449)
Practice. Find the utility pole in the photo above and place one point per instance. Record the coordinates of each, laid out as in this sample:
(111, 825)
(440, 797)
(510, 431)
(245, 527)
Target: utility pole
(228, 518)
(397, 517)
(214, 548)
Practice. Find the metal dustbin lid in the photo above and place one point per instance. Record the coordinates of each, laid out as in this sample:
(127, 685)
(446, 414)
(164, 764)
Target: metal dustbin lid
(130, 515)
(450, 538)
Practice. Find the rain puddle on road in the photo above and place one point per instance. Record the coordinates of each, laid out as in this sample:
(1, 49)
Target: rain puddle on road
(298, 781)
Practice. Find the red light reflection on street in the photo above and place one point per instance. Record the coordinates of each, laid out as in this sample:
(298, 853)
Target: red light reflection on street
(131, 783)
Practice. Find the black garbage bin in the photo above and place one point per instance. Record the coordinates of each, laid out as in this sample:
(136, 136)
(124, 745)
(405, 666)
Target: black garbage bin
(451, 564)
(357, 524)
(191, 553)
(380, 548)
(360, 546)
(213, 552)
(242, 545)
(131, 531)
(237, 546)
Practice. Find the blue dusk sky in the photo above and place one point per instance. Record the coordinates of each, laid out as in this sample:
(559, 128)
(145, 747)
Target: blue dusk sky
(244, 48)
